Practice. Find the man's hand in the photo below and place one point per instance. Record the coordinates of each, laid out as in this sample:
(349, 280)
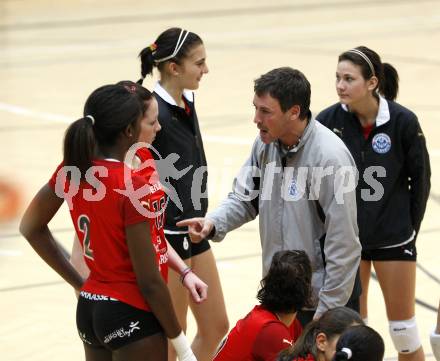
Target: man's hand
(198, 228)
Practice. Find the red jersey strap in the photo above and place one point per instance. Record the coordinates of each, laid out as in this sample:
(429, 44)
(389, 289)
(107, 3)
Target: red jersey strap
(144, 154)
(53, 178)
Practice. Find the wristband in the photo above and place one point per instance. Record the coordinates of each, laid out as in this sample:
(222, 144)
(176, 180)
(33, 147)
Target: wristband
(182, 347)
(185, 273)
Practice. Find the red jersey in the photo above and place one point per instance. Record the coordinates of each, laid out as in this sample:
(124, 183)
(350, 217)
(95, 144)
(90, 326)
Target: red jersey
(100, 214)
(259, 336)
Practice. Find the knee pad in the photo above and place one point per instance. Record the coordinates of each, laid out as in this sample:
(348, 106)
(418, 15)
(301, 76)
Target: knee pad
(405, 335)
(435, 344)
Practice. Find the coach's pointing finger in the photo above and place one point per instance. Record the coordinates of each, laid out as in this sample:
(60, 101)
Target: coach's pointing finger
(198, 228)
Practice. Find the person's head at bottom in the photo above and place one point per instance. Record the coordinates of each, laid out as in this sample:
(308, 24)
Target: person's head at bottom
(319, 338)
(286, 288)
(359, 343)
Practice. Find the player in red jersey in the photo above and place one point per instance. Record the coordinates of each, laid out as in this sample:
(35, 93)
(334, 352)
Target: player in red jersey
(143, 164)
(319, 338)
(124, 311)
(272, 326)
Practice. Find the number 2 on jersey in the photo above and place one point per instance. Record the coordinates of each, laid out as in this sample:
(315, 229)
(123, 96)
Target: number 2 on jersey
(84, 227)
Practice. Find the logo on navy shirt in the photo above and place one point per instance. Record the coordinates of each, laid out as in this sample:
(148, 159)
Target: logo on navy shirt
(381, 143)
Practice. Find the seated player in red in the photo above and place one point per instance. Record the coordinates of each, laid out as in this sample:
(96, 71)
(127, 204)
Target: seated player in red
(272, 326)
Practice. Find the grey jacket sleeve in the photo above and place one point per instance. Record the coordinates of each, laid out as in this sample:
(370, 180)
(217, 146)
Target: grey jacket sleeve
(342, 249)
(241, 205)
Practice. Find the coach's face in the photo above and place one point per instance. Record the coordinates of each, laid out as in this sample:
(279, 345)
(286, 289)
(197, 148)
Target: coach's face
(272, 122)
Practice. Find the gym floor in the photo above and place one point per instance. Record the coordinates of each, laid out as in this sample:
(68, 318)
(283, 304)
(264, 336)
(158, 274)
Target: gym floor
(54, 53)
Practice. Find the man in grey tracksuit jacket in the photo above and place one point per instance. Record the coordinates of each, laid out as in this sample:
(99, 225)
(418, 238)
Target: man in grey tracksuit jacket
(304, 195)
(287, 198)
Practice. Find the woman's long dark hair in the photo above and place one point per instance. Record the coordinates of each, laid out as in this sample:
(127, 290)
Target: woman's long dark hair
(107, 112)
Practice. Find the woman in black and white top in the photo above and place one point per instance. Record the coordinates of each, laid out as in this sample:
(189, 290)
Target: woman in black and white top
(389, 149)
(180, 58)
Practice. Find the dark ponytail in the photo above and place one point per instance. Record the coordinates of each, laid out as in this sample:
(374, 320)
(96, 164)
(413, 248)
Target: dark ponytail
(107, 112)
(147, 62)
(359, 343)
(388, 78)
(332, 323)
(164, 47)
(79, 144)
(342, 355)
(389, 87)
